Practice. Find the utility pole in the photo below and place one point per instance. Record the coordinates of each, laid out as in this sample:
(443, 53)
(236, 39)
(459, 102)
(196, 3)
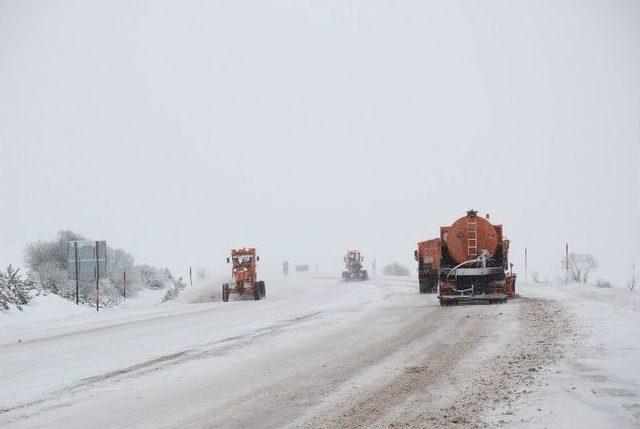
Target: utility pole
(190, 277)
(77, 272)
(124, 284)
(566, 263)
(526, 275)
(97, 279)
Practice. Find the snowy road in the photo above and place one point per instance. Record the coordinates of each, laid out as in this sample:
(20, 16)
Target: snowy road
(314, 353)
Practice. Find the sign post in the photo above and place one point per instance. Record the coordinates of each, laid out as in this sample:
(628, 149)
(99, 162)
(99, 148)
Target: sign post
(87, 260)
(566, 262)
(97, 280)
(77, 266)
(526, 275)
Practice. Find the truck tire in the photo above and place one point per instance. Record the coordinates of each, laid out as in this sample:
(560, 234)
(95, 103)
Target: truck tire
(263, 289)
(364, 275)
(225, 292)
(422, 286)
(256, 292)
(430, 281)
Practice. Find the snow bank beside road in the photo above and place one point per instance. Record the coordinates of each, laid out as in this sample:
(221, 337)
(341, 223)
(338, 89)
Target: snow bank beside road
(49, 307)
(597, 383)
(52, 308)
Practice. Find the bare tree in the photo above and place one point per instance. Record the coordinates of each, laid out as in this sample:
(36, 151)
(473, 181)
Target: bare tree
(633, 281)
(581, 265)
(41, 252)
(118, 263)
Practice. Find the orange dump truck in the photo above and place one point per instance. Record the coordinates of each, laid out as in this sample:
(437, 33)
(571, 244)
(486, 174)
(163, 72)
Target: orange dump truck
(468, 263)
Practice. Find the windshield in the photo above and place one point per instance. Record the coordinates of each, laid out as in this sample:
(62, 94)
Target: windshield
(242, 260)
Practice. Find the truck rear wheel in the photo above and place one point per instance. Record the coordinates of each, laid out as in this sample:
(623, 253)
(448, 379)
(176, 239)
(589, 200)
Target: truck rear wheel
(263, 289)
(225, 292)
(256, 292)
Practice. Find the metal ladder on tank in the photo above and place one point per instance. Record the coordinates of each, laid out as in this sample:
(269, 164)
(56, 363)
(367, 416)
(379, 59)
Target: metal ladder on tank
(472, 237)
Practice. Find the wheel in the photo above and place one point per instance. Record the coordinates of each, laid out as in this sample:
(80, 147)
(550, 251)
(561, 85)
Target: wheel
(422, 287)
(225, 292)
(364, 275)
(263, 289)
(430, 281)
(256, 292)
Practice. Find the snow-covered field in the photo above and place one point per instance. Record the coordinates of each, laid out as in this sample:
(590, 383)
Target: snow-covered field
(596, 384)
(321, 353)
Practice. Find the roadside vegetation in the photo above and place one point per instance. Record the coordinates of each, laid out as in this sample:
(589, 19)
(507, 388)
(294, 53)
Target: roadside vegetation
(396, 269)
(46, 263)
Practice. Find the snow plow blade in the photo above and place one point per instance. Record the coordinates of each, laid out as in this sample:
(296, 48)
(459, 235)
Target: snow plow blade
(493, 298)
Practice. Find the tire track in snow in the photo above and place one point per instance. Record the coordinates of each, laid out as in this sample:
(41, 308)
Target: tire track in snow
(208, 350)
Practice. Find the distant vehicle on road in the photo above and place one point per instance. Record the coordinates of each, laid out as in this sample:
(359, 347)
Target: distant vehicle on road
(353, 267)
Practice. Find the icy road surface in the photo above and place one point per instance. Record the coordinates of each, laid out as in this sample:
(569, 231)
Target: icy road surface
(320, 353)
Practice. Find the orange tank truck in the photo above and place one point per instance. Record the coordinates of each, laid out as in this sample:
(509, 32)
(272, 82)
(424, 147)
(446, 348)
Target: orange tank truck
(468, 263)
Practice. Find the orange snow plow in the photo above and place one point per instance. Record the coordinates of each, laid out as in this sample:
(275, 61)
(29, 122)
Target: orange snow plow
(354, 270)
(245, 277)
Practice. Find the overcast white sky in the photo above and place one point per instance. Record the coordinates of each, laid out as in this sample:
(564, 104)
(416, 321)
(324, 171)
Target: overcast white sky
(177, 130)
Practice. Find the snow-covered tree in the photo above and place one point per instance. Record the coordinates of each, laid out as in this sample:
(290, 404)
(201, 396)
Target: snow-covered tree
(51, 278)
(176, 286)
(119, 262)
(581, 265)
(13, 290)
(151, 277)
(55, 251)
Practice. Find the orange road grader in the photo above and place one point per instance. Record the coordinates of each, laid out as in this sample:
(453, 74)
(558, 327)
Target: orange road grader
(468, 263)
(353, 267)
(245, 276)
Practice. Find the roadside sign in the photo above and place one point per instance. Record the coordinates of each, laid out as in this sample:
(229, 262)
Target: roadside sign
(85, 262)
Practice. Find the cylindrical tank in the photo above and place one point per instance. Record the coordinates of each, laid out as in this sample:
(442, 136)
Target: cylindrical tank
(469, 235)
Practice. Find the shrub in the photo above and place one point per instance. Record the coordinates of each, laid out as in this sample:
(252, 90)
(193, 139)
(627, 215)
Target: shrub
(13, 290)
(603, 283)
(396, 269)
